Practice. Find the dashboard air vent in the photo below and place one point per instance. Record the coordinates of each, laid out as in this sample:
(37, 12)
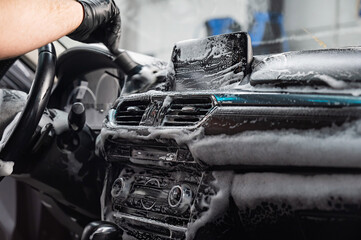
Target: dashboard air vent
(187, 111)
(130, 113)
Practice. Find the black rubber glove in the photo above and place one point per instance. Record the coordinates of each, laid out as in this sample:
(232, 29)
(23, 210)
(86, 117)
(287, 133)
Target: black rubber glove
(101, 23)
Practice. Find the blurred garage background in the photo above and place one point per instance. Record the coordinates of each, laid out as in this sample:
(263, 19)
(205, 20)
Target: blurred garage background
(153, 26)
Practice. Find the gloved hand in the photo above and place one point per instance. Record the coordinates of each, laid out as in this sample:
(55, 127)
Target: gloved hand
(101, 23)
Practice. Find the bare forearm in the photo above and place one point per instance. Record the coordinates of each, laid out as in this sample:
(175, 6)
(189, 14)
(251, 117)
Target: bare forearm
(27, 25)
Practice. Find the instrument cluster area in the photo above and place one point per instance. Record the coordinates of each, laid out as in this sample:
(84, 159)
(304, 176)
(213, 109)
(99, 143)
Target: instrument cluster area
(87, 75)
(97, 90)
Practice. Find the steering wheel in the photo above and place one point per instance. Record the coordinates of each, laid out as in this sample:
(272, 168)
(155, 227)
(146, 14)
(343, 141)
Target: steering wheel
(37, 100)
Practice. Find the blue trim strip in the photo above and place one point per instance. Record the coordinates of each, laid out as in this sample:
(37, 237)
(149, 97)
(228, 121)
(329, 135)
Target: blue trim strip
(287, 100)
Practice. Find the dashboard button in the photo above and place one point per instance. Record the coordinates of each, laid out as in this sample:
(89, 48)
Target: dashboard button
(149, 201)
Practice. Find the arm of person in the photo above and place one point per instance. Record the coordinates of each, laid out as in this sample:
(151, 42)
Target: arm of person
(28, 25)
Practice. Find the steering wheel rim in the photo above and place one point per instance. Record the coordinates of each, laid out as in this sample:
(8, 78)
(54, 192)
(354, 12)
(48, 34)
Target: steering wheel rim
(37, 100)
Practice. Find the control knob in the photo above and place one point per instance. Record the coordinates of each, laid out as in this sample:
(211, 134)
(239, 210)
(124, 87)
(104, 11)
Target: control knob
(180, 197)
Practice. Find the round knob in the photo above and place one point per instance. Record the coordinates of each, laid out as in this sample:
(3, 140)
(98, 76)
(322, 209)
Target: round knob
(175, 196)
(180, 196)
(101, 230)
(76, 117)
(117, 187)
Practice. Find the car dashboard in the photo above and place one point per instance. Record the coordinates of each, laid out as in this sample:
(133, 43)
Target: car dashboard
(196, 165)
(247, 146)
(274, 155)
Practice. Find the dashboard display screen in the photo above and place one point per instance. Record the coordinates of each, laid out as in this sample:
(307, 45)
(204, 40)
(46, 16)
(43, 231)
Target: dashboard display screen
(213, 62)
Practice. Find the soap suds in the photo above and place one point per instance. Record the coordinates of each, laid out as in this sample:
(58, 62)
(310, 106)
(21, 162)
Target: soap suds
(332, 82)
(300, 191)
(218, 205)
(327, 147)
(6, 168)
(11, 102)
(181, 136)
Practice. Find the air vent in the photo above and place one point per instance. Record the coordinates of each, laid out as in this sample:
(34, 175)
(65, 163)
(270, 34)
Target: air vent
(130, 113)
(187, 111)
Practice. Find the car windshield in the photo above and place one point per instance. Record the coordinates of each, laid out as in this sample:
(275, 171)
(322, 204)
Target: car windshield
(152, 27)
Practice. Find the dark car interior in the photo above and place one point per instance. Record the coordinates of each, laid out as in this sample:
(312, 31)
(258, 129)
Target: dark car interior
(234, 146)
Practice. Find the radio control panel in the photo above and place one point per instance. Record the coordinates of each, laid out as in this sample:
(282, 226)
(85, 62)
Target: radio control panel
(165, 196)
